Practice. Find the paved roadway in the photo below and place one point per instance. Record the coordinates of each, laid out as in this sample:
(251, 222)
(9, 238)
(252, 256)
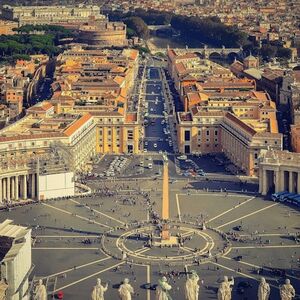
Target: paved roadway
(155, 138)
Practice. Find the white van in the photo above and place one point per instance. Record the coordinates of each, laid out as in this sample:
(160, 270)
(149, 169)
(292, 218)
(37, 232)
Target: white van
(150, 165)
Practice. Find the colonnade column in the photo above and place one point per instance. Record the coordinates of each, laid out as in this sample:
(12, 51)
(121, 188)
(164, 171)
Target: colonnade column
(277, 181)
(32, 186)
(291, 182)
(298, 183)
(4, 188)
(264, 182)
(17, 187)
(1, 198)
(280, 181)
(24, 187)
(8, 189)
(12, 188)
(260, 179)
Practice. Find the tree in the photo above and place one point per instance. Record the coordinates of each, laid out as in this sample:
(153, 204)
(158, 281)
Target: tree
(267, 51)
(130, 33)
(284, 53)
(139, 26)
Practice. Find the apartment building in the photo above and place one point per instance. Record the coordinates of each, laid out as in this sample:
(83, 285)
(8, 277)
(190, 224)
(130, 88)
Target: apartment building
(223, 113)
(42, 129)
(215, 131)
(99, 82)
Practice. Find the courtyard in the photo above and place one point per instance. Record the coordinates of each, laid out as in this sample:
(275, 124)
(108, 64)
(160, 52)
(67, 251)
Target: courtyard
(77, 240)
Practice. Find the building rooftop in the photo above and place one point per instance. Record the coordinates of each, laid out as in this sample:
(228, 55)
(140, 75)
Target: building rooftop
(9, 235)
(61, 125)
(280, 157)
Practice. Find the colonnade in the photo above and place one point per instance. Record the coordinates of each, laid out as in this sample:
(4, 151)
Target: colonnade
(17, 187)
(279, 179)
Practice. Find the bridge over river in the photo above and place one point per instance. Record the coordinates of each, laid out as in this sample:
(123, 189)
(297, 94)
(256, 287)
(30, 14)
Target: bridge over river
(204, 52)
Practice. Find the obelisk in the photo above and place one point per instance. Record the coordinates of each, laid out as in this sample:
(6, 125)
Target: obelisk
(165, 232)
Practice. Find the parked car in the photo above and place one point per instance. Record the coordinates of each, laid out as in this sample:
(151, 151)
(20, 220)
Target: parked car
(182, 157)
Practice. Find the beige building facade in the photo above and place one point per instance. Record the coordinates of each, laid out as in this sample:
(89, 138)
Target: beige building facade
(201, 132)
(37, 133)
(50, 14)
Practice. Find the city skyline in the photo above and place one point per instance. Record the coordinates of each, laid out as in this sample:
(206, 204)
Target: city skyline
(149, 150)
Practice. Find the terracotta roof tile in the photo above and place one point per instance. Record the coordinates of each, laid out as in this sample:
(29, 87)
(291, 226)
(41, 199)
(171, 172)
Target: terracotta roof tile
(240, 123)
(77, 124)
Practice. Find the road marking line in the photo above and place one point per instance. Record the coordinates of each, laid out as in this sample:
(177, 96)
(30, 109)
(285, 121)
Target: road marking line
(97, 211)
(248, 215)
(188, 233)
(66, 236)
(187, 249)
(77, 267)
(139, 251)
(267, 247)
(267, 234)
(178, 207)
(148, 281)
(209, 193)
(227, 211)
(63, 248)
(186, 268)
(229, 269)
(255, 266)
(87, 277)
(75, 215)
(274, 286)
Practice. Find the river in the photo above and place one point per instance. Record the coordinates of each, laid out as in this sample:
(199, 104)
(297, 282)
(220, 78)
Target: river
(160, 42)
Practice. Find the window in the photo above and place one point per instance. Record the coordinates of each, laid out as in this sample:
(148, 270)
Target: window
(255, 155)
(216, 132)
(109, 132)
(207, 132)
(187, 135)
(130, 134)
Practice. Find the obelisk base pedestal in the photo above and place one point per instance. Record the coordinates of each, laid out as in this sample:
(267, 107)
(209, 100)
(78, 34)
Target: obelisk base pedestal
(171, 242)
(165, 232)
(165, 239)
